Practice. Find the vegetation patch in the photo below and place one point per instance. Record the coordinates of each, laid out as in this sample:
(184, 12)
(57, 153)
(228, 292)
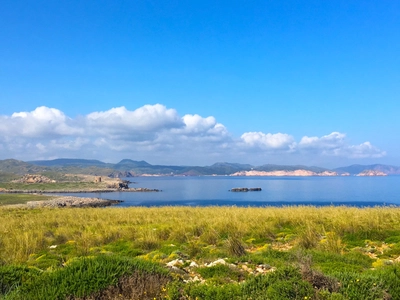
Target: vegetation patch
(87, 276)
(10, 199)
(208, 253)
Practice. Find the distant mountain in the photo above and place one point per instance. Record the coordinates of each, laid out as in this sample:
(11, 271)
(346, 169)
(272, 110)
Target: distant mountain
(20, 167)
(127, 164)
(130, 167)
(356, 169)
(64, 162)
(223, 168)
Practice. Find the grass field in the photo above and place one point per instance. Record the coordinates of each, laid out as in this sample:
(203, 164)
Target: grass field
(9, 199)
(52, 186)
(262, 253)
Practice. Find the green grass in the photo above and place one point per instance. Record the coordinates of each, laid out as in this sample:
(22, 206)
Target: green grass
(8, 199)
(307, 252)
(6, 177)
(81, 277)
(52, 186)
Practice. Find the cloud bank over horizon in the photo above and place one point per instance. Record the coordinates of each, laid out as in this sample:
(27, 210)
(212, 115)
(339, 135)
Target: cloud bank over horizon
(161, 135)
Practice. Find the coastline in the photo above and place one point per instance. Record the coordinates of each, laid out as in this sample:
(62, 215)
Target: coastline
(66, 201)
(133, 190)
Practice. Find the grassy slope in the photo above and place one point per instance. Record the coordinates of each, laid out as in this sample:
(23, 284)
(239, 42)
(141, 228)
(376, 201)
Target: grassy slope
(307, 245)
(63, 182)
(52, 186)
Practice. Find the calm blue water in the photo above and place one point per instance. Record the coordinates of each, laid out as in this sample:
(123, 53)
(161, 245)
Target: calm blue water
(276, 191)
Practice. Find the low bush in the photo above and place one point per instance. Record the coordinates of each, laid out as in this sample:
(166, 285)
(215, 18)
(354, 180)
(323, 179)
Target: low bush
(12, 277)
(222, 273)
(83, 277)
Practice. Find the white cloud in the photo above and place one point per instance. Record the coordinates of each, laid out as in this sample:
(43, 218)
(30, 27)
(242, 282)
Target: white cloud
(154, 131)
(146, 119)
(41, 122)
(330, 141)
(268, 141)
(364, 150)
(334, 144)
(199, 129)
(195, 123)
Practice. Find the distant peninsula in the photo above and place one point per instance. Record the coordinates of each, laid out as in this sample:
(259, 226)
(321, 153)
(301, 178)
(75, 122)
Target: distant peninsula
(136, 168)
(299, 172)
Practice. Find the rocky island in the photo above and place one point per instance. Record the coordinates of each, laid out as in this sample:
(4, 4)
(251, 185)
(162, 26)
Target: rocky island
(243, 189)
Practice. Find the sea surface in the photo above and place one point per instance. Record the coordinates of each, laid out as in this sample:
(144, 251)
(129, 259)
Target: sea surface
(276, 191)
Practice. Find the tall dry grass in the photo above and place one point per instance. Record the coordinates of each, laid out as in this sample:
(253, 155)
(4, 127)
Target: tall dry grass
(24, 232)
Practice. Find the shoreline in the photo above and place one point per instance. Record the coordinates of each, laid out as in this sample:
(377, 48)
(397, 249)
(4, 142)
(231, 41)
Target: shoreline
(131, 190)
(66, 201)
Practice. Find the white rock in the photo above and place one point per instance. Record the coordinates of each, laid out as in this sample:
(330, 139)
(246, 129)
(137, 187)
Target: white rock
(193, 264)
(175, 262)
(220, 261)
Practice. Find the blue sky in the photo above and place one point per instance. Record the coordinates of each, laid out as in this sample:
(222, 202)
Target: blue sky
(195, 82)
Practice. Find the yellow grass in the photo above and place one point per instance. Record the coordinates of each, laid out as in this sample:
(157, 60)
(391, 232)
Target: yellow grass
(24, 232)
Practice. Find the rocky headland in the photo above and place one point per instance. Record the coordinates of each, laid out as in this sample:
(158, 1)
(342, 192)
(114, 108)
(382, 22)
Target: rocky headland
(372, 173)
(287, 173)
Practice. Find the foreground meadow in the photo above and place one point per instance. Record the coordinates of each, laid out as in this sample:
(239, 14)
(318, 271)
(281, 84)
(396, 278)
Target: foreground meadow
(200, 253)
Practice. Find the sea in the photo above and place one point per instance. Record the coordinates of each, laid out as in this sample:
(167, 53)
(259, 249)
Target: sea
(275, 191)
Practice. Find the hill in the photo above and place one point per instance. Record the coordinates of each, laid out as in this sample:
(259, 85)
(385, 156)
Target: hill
(63, 162)
(129, 167)
(356, 169)
(20, 167)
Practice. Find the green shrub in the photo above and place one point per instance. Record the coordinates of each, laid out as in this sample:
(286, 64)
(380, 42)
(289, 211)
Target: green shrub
(83, 277)
(12, 277)
(123, 248)
(356, 286)
(289, 289)
(285, 283)
(333, 262)
(389, 278)
(222, 272)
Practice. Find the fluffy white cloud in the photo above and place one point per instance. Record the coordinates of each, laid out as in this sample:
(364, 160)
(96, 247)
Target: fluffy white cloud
(268, 141)
(334, 144)
(41, 122)
(363, 150)
(154, 131)
(148, 118)
(197, 128)
(326, 142)
(196, 124)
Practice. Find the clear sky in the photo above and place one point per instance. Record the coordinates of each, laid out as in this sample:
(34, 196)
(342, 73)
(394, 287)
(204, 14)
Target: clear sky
(196, 82)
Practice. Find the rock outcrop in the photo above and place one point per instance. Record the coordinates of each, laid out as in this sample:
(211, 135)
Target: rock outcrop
(121, 185)
(257, 189)
(69, 201)
(372, 173)
(284, 173)
(34, 178)
(118, 174)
